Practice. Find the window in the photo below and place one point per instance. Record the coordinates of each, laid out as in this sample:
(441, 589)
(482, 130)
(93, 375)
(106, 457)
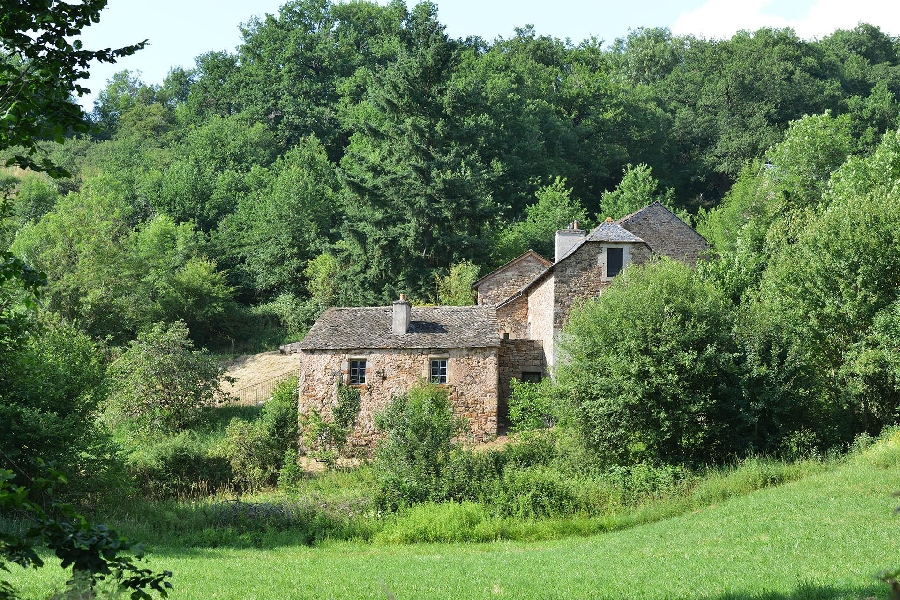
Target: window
(531, 377)
(614, 259)
(439, 370)
(357, 372)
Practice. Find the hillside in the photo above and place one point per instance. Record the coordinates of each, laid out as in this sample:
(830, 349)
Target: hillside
(825, 536)
(252, 372)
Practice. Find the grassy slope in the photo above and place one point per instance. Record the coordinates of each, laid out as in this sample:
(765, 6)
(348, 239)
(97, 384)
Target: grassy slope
(821, 537)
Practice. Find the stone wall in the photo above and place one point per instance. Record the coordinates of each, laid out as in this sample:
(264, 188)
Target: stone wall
(583, 275)
(666, 234)
(509, 279)
(517, 357)
(472, 386)
(513, 318)
(540, 316)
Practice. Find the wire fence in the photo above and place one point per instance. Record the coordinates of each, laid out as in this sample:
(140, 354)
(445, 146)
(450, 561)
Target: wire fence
(260, 391)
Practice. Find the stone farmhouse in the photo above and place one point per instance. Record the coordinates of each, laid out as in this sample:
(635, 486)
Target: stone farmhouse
(476, 350)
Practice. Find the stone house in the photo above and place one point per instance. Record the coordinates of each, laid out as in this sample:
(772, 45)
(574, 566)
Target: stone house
(475, 351)
(584, 264)
(384, 351)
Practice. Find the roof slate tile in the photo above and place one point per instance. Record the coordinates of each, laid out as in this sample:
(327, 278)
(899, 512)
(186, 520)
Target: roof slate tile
(430, 327)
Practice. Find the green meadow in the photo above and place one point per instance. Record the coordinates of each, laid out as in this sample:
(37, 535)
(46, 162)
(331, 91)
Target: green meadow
(827, 535)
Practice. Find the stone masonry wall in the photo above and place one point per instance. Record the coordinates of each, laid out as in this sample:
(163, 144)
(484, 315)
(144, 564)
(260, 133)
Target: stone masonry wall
(583, 276)
(498, 287)
(513, 318)
(472, 386)
(517, 357)
(666, 234)
(540, 316)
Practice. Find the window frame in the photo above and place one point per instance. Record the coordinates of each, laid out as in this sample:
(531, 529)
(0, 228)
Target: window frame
(360, 373)
(445, 367)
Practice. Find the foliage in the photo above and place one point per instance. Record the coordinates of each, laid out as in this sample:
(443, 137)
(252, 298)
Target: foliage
(258, 450)
(419, 427)
(455, 289)
(325, 440)
(160, 383)
(52, 385)
(653, 371)
(41, 64)
(183, 465)
(637, 189)
(533, 405)
(555, 209)
(92, 551)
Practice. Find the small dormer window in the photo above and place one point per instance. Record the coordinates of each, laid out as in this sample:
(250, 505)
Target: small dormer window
(615, 258)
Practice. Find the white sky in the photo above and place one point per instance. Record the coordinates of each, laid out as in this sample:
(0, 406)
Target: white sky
(180, 30)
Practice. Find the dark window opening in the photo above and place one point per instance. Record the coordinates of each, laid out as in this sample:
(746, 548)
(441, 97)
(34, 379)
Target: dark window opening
(614, 259)
(357, 372)
(531, 376)
(439, 370)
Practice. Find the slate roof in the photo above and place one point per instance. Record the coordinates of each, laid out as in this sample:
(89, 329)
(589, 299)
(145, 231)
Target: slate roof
(612, 233)
(430, 327)
(608, 233)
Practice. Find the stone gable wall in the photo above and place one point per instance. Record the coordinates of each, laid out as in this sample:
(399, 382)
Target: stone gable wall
(583, 275)
(513, 318)
(516, 357)
(500, 286)
(666, 234)
(472, 386)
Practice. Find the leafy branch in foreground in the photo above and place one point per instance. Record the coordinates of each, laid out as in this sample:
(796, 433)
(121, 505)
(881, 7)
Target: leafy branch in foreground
(41, 63)
(93, 552)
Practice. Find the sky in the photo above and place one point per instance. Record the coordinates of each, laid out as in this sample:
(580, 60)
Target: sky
(179, 30)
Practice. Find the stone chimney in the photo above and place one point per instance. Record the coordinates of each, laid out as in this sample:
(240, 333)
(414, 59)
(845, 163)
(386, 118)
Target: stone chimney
(566, 239)
(402, 310)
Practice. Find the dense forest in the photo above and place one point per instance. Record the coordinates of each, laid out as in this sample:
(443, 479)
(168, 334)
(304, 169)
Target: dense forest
(347, 152)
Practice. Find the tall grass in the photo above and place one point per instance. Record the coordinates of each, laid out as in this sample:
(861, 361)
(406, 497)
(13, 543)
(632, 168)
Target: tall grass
(824, 535)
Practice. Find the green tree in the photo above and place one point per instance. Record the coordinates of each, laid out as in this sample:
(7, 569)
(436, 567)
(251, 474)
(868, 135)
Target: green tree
(284, 221)
(419, 427)
(653, 370)
(41, 63)
(833, 290)
(637, 189)
(160, 383)
(418, 198)
(455, 288)
(555, 209)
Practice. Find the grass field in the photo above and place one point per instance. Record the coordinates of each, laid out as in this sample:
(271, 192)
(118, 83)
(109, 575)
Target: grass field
(825, 536)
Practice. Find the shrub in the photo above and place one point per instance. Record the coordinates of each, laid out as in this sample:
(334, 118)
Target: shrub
(537, 492)
(257, 450)
(653, 370)
(532, 405)
(412, 458)
(179, 466)
(325, 440)
(161, 384)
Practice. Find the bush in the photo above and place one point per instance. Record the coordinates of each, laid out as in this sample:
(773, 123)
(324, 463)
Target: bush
(257, 450)
(161, 384)
(179, 466)
(413, 456)
(537, 492)
(653, 370)
(532, 405)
